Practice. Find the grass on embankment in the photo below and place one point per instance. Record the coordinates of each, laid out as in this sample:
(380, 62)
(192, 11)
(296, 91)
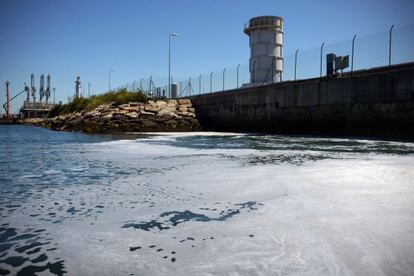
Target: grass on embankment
(80, 104)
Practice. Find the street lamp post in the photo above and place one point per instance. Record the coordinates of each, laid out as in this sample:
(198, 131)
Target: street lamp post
(320, 75)
(389, 47)
(169, 62)
(352, 54)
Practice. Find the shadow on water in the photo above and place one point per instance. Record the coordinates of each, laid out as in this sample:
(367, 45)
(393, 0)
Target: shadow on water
(170, 219)
(25, 254)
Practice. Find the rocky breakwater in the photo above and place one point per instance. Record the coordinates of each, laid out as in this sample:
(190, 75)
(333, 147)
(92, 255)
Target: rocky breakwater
(160, 115)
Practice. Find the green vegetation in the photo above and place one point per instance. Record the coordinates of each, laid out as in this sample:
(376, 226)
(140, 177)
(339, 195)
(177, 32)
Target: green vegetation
(80, 104)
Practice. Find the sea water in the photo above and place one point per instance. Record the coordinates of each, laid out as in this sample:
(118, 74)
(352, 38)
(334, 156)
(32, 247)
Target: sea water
(203, 204)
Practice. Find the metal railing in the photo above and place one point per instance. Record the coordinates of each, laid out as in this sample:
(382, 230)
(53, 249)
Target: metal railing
(381, 49)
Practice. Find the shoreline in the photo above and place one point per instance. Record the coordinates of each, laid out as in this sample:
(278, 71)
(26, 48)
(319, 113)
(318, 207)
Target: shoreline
(157, 116)
(202, 132)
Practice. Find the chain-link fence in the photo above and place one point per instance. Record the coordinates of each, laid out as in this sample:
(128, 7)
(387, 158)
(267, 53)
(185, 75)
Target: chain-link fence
(394, 46)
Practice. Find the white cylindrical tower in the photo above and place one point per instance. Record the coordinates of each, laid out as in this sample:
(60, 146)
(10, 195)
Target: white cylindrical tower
(266, 49)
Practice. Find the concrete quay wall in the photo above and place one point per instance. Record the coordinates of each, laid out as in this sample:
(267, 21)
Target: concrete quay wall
(375, 103)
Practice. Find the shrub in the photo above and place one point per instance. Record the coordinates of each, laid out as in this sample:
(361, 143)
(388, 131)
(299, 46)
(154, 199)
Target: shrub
(80, 104)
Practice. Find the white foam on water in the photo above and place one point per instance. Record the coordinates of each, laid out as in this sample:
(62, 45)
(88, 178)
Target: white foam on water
(141, 148)
(349, 216)
(192, 134)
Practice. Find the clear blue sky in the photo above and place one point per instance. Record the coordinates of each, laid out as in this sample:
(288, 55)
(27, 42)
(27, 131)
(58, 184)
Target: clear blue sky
(70, 38)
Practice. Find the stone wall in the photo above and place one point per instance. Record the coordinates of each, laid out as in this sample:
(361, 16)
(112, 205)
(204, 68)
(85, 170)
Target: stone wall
(161, 115)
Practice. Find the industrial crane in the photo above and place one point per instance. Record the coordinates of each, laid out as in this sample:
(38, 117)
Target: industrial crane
(32, 78)
(31, 91)
(47, 93)
(6, 104)
(42, 87)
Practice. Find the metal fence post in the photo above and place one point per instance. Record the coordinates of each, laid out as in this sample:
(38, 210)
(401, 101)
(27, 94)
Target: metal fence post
(296, 61)
(352, 54)
(320, 75)
(211, 82)
(238, 66)
(389, 48)
(199, 84)
(189, 87)
(224, 72)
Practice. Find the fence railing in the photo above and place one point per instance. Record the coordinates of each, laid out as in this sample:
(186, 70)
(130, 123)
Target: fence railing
(382, 49)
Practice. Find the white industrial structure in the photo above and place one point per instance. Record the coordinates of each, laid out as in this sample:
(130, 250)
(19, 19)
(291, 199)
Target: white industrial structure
(266, 49)
(36, 109)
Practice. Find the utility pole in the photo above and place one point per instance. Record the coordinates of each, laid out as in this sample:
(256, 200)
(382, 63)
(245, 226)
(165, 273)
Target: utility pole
(169, 62)
(89, 89)
(7, 100)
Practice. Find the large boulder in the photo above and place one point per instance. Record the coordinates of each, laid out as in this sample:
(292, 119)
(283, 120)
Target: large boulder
(149, 124)
(108, 115)
(136, 104)
(171, 123)
(184, 101)
(135, 108)
(124, 106)
(120, 117)
(167, 113)
(121, 112)
(172, 103)
(143, 112)
(133, 115)
(151, 108)
(182, 108)
(161, 104)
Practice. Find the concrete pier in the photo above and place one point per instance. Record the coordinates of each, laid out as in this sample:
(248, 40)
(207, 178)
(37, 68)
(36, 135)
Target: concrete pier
(35, 109)
(371, 103)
